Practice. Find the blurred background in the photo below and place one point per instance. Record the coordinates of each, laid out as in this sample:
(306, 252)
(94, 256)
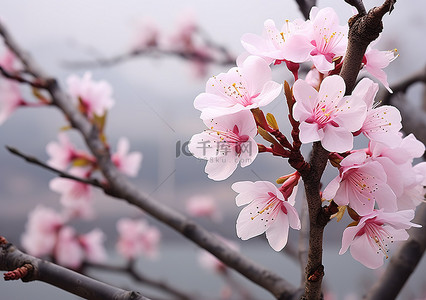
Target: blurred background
(154, 110)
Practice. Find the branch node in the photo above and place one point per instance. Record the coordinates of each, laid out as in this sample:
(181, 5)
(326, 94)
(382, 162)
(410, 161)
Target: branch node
(317, 274)
(18, 273)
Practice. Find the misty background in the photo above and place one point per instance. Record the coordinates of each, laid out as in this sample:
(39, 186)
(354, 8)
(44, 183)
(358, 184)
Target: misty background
(154, 109)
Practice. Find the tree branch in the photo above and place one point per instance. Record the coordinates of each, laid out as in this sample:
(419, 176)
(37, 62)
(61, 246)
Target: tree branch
(120, 187)
(11, 259)
(402, 263)
(305, 7)
(33, 160)
(363, 29)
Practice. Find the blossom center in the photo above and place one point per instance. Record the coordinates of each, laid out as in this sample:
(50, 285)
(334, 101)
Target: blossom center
(271, 206)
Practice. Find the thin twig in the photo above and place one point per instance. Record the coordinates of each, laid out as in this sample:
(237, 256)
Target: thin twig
(35, 161)
(14, 76)
(130, 270)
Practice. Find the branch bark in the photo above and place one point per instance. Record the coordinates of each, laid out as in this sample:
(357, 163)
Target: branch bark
(120, 187)
(11, 259)
(402, 263)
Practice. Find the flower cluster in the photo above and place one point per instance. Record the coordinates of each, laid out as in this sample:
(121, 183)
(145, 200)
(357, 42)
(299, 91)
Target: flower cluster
(379, 185)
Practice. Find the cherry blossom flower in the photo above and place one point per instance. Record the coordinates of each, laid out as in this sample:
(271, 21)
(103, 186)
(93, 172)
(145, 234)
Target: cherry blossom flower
(62, 153)
(328, 38)
(382, 124)
(228, 142)
(127, 163)
(10, 99)
(68, 251)
(414, 192)
(370, 239)
(76, 196)
(244, 87)
(94, 96)
(210, 262)
(203, 206)
(326, 115)
(361, 184)
(267, 211)
(43, 224)
(137, 237)
(374, 61)
(92, 245)
(276, 44)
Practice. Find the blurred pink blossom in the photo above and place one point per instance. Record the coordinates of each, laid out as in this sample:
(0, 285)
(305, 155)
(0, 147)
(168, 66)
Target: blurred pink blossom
(76, 196)
(92, 244)
(68, 251)
(210, 262)
(136, 238)
(127, 163)
(95, 97)
(10, 96)
(41, 231)
(203, 206)
(147, 34)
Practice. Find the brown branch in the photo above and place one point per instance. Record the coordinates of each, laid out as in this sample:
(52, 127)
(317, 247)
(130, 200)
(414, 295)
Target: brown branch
(17, 77)
(141, 278)
(402, 263)
(363, 29)
(12, 259)
(120, 187)
(303, 239)
(35, 161)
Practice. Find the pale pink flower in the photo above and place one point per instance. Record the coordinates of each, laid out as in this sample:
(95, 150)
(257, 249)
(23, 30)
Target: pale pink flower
(76, 196)
(186, 27)
(92, 244)
(360, 184)
(370, 239)
(62, 153)
(327, 115)
(414, 191)
(276, 44)
(374, 61)
(242, 88)
(313, 78)
(267, 211)
(210, 262)
(382, 124)
(95, 97)
(137, 237)
(127, 163)
(41, 231)
(10, 99)
(228, 142)
(8, 60)
(203, 206)
(68, 251)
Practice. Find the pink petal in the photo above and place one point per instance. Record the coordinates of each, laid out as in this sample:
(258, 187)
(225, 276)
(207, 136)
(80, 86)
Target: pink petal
(277, 233)
(220, 168)
(337, 139)
(309, 132)
(363, 251)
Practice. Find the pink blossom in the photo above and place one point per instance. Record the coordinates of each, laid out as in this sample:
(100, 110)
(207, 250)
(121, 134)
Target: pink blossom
(94, 96)
(62, 153)
(68, 251)
(329, 38)
(137, 237)
(228, 142)
(267, 211)
(10, 99)
(361, 184)
(313, 78)
(276, 44)
(382, 124)
(8, 60)
(244, 87)
(92, 245)
(203, 206)
(414, 191)
(75, 195)
(326, 115)
(370, 239)
(374, 61)
(210, 262)
(127, 163)
(41, 231)
(186, 27)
